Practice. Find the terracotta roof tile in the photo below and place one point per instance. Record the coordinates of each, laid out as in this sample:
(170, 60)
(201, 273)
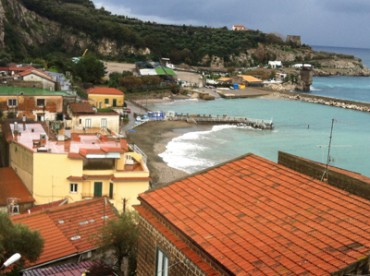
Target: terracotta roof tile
(272, 219)
(11, 186)
(68, 229)
(81, 108)
(104, 91)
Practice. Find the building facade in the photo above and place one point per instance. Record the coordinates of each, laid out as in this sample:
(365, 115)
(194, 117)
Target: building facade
(33, 103)
(77, 166)
(105, 97)
(84, 117)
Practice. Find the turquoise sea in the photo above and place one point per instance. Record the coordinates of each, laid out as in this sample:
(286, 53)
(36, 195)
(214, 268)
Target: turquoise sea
(300, 128)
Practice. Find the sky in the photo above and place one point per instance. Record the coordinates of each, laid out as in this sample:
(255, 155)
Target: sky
(340, 23)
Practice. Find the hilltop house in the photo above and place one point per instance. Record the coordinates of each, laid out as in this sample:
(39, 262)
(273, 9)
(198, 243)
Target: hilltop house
(251, 216)
(70, 231)
(105, 97)
(76, 165)
(84, 117)
(238, 27)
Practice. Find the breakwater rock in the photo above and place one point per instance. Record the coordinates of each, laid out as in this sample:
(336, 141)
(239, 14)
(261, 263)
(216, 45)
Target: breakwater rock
(365, 107)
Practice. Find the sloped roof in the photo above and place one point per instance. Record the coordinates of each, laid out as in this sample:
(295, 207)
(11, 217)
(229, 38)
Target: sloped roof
(81, 108)
(225, 79)
(68, 269)
(69, 229)
(104, 91)
(11, 186)
(257, 217)
(249, 78)
(37, 72)
(29, 91)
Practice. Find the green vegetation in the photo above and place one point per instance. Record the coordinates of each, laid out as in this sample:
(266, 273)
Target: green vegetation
(89, 69)
(182, 44)
(18, 238)
(121, 236)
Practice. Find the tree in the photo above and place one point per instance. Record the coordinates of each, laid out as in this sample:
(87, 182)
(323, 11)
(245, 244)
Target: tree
(121, 235)
(18, 238)
(89, 69)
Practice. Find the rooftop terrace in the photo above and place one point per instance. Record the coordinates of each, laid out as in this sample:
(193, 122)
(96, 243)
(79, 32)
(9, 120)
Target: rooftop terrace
(34, 137)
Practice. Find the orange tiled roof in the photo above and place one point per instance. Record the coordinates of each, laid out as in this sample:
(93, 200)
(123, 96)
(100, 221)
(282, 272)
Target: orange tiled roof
(11, 186)
(104, 91)
(258, 217)
(249, 78)
(81, 108)
(37, 72)
(69, 229)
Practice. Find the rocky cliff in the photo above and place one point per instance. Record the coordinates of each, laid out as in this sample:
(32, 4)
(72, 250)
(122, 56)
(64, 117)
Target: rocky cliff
(2, 18)
(24, 33)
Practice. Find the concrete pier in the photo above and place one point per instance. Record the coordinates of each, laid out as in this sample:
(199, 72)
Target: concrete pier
(223, 119)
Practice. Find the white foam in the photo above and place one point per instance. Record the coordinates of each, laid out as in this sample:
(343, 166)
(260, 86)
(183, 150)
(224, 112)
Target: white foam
(184, 152)
(312, 88)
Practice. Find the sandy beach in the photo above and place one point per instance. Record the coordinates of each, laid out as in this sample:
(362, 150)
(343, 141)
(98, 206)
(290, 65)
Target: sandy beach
(152, 138)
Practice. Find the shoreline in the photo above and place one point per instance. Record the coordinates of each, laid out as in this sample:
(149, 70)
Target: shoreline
(153, 136)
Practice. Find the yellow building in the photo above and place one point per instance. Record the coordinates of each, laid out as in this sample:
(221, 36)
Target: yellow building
(105, 97)
(82, 116)
(78, 167)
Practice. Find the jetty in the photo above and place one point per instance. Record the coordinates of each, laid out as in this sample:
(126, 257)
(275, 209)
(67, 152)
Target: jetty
(222, 119)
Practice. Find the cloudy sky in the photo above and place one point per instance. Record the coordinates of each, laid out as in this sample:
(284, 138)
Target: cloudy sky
(319, 22)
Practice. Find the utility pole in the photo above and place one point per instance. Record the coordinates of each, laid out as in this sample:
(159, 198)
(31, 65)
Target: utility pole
(124, 205)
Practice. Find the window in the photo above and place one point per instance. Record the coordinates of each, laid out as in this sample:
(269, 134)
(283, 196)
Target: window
(12, 102)
(106, 101)
(162, 264)
(129, 160)
(73, 188)
(40, 102)
(111, 190)
(103, 123)
(87, 123)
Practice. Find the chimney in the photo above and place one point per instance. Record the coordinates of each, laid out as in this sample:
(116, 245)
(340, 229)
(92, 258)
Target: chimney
(24, 122)
(67, 145)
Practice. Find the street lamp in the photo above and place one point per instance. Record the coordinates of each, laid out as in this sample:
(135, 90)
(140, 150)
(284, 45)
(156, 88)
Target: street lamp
(15, 257)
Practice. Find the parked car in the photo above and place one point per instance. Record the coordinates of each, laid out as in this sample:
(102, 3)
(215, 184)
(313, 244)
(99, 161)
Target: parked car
(126, 110)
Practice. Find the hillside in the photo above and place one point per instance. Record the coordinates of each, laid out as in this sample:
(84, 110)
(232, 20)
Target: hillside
(38, 28)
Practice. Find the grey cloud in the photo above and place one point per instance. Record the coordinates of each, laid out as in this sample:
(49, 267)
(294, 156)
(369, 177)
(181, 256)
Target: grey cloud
(317, 21)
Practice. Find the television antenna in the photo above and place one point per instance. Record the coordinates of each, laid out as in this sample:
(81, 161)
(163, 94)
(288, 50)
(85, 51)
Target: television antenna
(328, 158)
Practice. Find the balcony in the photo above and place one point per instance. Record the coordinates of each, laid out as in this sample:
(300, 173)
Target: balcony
(91, 195)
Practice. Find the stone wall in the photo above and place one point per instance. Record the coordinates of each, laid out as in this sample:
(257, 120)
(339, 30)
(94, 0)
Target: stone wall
(351, 182)
(150, 240)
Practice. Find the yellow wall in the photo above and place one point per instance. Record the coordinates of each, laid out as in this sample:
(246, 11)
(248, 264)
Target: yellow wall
(112, 122)
(21, 160)
(50, 181)
(99, 100)
(45, 175)
(129, 190)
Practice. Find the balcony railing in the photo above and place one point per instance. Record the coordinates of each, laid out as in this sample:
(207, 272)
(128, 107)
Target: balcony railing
(91, 195)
